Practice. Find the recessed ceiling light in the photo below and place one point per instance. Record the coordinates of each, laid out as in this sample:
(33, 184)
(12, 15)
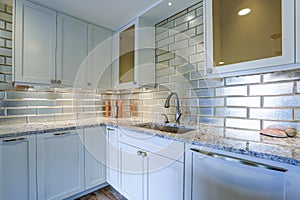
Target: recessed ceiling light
(170, 3)
(244, 11)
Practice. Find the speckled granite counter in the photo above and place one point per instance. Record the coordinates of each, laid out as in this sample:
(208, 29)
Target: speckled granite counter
(285, 150)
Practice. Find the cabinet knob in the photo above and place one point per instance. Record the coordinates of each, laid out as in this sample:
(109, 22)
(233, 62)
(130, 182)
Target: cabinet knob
(58, 82)
(134, 82)
(53, 81)
(139, 153)
(144, 154)
(89, 84)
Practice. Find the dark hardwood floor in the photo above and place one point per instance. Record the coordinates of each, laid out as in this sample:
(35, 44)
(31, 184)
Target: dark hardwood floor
(107, 193)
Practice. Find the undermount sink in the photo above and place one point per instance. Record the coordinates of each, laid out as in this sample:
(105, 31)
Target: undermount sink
(165, 128)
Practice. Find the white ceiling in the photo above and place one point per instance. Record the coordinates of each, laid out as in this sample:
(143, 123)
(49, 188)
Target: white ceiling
(113, 14)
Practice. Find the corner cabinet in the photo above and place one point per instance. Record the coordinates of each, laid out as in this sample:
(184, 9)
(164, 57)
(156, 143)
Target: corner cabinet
(18, 168)
(60, 164)
(134, 55)
(35, 43)
(249, 37)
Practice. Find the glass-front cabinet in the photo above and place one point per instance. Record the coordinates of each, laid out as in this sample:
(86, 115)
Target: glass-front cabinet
(249, 35)
(135, 55)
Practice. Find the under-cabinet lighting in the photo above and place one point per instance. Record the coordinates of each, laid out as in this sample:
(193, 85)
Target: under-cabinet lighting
(221, 63)
(244, 11)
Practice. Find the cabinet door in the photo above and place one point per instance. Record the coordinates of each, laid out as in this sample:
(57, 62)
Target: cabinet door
(71, 50)
(133, 178)
(112, 157)
(99, 71)
(59, 165)
(95, 156)
(35, 42)
(297, 31)
(18, 168)
(165, 178)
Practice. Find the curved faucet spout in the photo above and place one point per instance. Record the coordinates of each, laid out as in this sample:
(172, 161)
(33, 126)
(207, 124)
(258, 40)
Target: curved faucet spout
(167, 105)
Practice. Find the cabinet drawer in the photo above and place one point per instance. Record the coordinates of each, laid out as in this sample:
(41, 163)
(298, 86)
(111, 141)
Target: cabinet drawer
(164, 147)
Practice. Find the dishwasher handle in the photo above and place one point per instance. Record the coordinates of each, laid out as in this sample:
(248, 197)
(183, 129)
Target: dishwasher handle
(240, 160)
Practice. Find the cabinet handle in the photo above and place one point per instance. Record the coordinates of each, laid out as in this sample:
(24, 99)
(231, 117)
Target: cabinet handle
(59, 82)
(139, 153)
(134, 82)
(63, 133)
(209, 70)
(14, 140)
(144, 154)
(240, 160)
(89, 84)
(110, 129)
(53, 81)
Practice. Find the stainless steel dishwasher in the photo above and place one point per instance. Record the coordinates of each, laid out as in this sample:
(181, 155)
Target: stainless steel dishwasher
(216, 176)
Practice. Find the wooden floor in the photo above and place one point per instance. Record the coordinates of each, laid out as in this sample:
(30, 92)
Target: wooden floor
(107, 193)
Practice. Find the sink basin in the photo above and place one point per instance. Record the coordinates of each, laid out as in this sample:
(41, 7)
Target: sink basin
(165, 128)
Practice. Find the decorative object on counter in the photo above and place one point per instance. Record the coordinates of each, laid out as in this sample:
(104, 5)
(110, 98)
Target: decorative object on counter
(279, 131)
(116, 109)
(107, 108)
(120, 110)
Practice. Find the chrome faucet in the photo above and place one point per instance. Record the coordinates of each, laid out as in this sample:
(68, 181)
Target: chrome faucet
(178, 111)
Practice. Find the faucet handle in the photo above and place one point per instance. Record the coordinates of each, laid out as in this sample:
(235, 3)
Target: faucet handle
(166, 118)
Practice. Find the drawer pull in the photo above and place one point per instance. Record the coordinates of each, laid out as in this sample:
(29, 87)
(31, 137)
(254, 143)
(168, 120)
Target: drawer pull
(63, 133)
(144, 154)
(139, 153)
(240, 160)
(14, 140)
(110, 129)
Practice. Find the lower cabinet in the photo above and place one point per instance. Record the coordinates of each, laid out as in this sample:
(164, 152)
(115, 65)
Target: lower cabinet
(18, 168)
(60, 165)
(94, 156)
(146, 174)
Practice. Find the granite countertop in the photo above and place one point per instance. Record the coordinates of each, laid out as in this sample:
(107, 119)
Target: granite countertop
(285, 150)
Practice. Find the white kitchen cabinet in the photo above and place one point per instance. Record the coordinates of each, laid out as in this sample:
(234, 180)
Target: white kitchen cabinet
(60, 164)
(153, 166)
(71, 51)
(133, 174)
(18, 168)
(297, 5)
(94, 156)
(112, 156)
(261, 40)
(135, 55)
(35, 43)
(99, 70)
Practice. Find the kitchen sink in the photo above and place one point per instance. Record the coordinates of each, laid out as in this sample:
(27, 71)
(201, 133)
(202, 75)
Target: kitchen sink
(165, 128)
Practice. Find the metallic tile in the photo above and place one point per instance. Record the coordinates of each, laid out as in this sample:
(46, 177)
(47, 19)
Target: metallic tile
(196, 22)
(196, 40)
(282, 76)
(47, 118)
(85, 102)
(13, 103)
(231, 112)
(185, 69)
(179, 78)
(206, 111)
(243, 123)
(23, 111)
(165, 72)
(185, 18)
(50, 95)
(232, 91)
(204, 102)
(208, 83)
(199, 4)
(65, 102)
(186, 51)
(5, 69)
(165, 42)
(63, 117)
(2, 112)
(72, 109)
(298, 86)
(162, 36)
(272, 89)
(199, 11)
(243, 101)
(20, 95)
(271, 114)
(164, 79)
(187, 85)
(49, 110)
(243, 134)
(203, 93)
(13, 120)
(198, 57)
(243, 80)
(41, 103)
(177, 15)
(282, 101)
(178, 29)
(297, 114)
(2, 95)
(185, 34)
(211, 121)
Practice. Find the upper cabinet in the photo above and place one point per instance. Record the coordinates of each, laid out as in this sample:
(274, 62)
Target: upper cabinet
(249, 35)
(134, 55)
(53, 48)
(99, 70)
(297, 31)
(71, 50)
(35, 43)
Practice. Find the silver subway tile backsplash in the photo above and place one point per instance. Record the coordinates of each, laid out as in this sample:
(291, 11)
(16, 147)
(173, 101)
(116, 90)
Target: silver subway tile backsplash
(232, 91)
(243, 134)
(272, 89)
(242, 80)
(243, 123)
(231, 112)
(243, 101)
(271, 114)
(282, 101)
